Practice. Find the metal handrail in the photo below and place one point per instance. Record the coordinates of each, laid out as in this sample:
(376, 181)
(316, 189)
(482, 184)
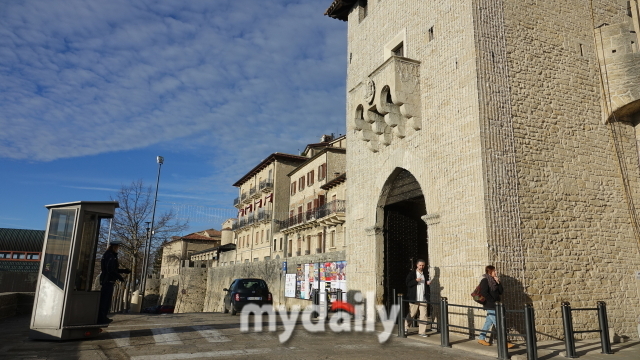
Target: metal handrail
(603, 323)
(501, 326)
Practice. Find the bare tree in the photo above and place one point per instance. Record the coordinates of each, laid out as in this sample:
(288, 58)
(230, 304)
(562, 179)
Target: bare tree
(130, 227)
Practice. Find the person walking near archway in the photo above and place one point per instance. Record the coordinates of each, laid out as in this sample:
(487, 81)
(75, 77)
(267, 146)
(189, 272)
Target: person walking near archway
(491, 289)
(417, 286)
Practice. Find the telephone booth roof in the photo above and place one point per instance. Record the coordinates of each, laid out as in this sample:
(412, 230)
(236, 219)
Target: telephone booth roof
(76, 203)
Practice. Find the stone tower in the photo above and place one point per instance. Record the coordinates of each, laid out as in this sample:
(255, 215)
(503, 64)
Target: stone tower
(496, 132)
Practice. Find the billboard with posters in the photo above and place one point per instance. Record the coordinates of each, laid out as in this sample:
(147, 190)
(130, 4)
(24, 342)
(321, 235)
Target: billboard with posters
(330, 275)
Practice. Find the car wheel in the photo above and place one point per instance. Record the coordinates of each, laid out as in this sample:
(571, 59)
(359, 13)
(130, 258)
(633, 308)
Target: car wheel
(225, 308)
(233, 310)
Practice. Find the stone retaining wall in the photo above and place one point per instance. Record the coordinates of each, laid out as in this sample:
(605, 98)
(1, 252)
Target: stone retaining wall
(12, 304)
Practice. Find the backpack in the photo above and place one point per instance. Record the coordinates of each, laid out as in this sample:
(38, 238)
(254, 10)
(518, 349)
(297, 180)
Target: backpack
(477, 296)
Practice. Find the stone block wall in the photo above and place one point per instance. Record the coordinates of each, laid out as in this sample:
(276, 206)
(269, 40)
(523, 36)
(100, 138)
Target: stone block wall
(513, 158)
(169, 290)
(219, 278)
(192, 287)
(271, 271)
(15, 303)
(152, 293)
(576, 230)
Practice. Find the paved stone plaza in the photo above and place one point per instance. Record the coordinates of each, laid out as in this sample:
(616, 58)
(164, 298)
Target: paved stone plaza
(209, 335)
(216, 335)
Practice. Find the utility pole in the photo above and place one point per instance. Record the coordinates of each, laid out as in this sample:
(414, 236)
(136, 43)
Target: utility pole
(147, 250)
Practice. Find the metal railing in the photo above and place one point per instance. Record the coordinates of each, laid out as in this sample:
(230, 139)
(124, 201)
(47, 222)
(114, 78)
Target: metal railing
(244, 196)
(603, 322)
(266, 185)
(252, 191)
(236, 201)
(332, 207)
(263, 214)
(443, 325)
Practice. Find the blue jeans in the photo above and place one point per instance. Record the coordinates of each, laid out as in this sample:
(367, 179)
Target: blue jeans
(490, 320)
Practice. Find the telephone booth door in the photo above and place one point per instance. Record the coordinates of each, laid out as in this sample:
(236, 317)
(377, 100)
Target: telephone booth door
(65, 306)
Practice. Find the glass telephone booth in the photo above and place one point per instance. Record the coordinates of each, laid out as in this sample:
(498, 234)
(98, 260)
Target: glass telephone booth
(65, 307)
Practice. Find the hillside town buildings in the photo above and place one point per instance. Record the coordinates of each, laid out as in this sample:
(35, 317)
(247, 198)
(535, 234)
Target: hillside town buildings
(181, 248)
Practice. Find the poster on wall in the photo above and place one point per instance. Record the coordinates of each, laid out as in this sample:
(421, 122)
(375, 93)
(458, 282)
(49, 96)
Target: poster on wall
(341, 275)
(313, 276)
(304, 287)
(290, 285)
(298, 280)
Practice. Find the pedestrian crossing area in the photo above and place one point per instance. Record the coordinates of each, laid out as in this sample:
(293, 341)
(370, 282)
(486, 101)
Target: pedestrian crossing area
(180, 335)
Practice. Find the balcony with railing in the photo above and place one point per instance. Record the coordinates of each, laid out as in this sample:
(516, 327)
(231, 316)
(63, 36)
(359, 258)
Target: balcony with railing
(244, 197)
(263, 215)
(266, 185)
(237, 203)
(329, 214)
(254, 193)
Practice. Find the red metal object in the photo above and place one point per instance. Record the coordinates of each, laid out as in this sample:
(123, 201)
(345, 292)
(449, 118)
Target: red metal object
(166, 309)
(343, 306)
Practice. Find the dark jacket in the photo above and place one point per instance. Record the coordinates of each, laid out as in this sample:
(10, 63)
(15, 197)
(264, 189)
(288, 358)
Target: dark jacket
(412, 286)
(110, 269)
(490, 296)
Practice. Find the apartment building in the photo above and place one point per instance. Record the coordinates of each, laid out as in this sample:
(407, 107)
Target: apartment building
(262, 192)
(315, 220)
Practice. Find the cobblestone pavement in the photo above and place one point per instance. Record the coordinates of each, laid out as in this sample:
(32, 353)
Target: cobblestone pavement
(210, 335)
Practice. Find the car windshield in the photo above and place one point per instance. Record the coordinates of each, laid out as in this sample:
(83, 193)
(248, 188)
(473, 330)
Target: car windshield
(251, 285)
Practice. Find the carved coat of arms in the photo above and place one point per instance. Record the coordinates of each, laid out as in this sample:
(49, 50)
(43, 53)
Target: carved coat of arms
(369, 91)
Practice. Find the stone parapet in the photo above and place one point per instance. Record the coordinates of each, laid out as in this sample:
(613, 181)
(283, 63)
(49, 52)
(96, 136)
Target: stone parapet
(619, 59)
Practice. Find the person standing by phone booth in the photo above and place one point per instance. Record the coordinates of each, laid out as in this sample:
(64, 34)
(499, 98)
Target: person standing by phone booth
(65, 307)
(110, 274)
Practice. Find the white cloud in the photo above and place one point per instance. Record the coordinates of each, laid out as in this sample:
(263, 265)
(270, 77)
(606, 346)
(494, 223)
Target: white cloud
(87, 77)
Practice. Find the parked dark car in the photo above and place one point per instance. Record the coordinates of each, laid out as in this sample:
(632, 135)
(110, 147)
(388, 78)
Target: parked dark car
(160, 309)
(246, 291)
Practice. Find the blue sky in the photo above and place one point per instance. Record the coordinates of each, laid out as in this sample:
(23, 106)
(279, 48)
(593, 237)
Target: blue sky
(92, 91)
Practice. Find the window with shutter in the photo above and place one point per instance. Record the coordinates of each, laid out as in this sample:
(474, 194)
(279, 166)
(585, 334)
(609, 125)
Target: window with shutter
(320, 200)
(311, 177)
(293, 188)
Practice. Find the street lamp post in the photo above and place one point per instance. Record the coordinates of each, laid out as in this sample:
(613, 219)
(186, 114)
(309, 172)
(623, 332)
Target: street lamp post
(147, 250)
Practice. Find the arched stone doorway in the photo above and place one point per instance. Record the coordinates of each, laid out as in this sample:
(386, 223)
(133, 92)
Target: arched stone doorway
(404, 232)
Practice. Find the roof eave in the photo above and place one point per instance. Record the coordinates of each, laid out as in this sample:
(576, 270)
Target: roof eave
(271, 158)
(340, 9)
